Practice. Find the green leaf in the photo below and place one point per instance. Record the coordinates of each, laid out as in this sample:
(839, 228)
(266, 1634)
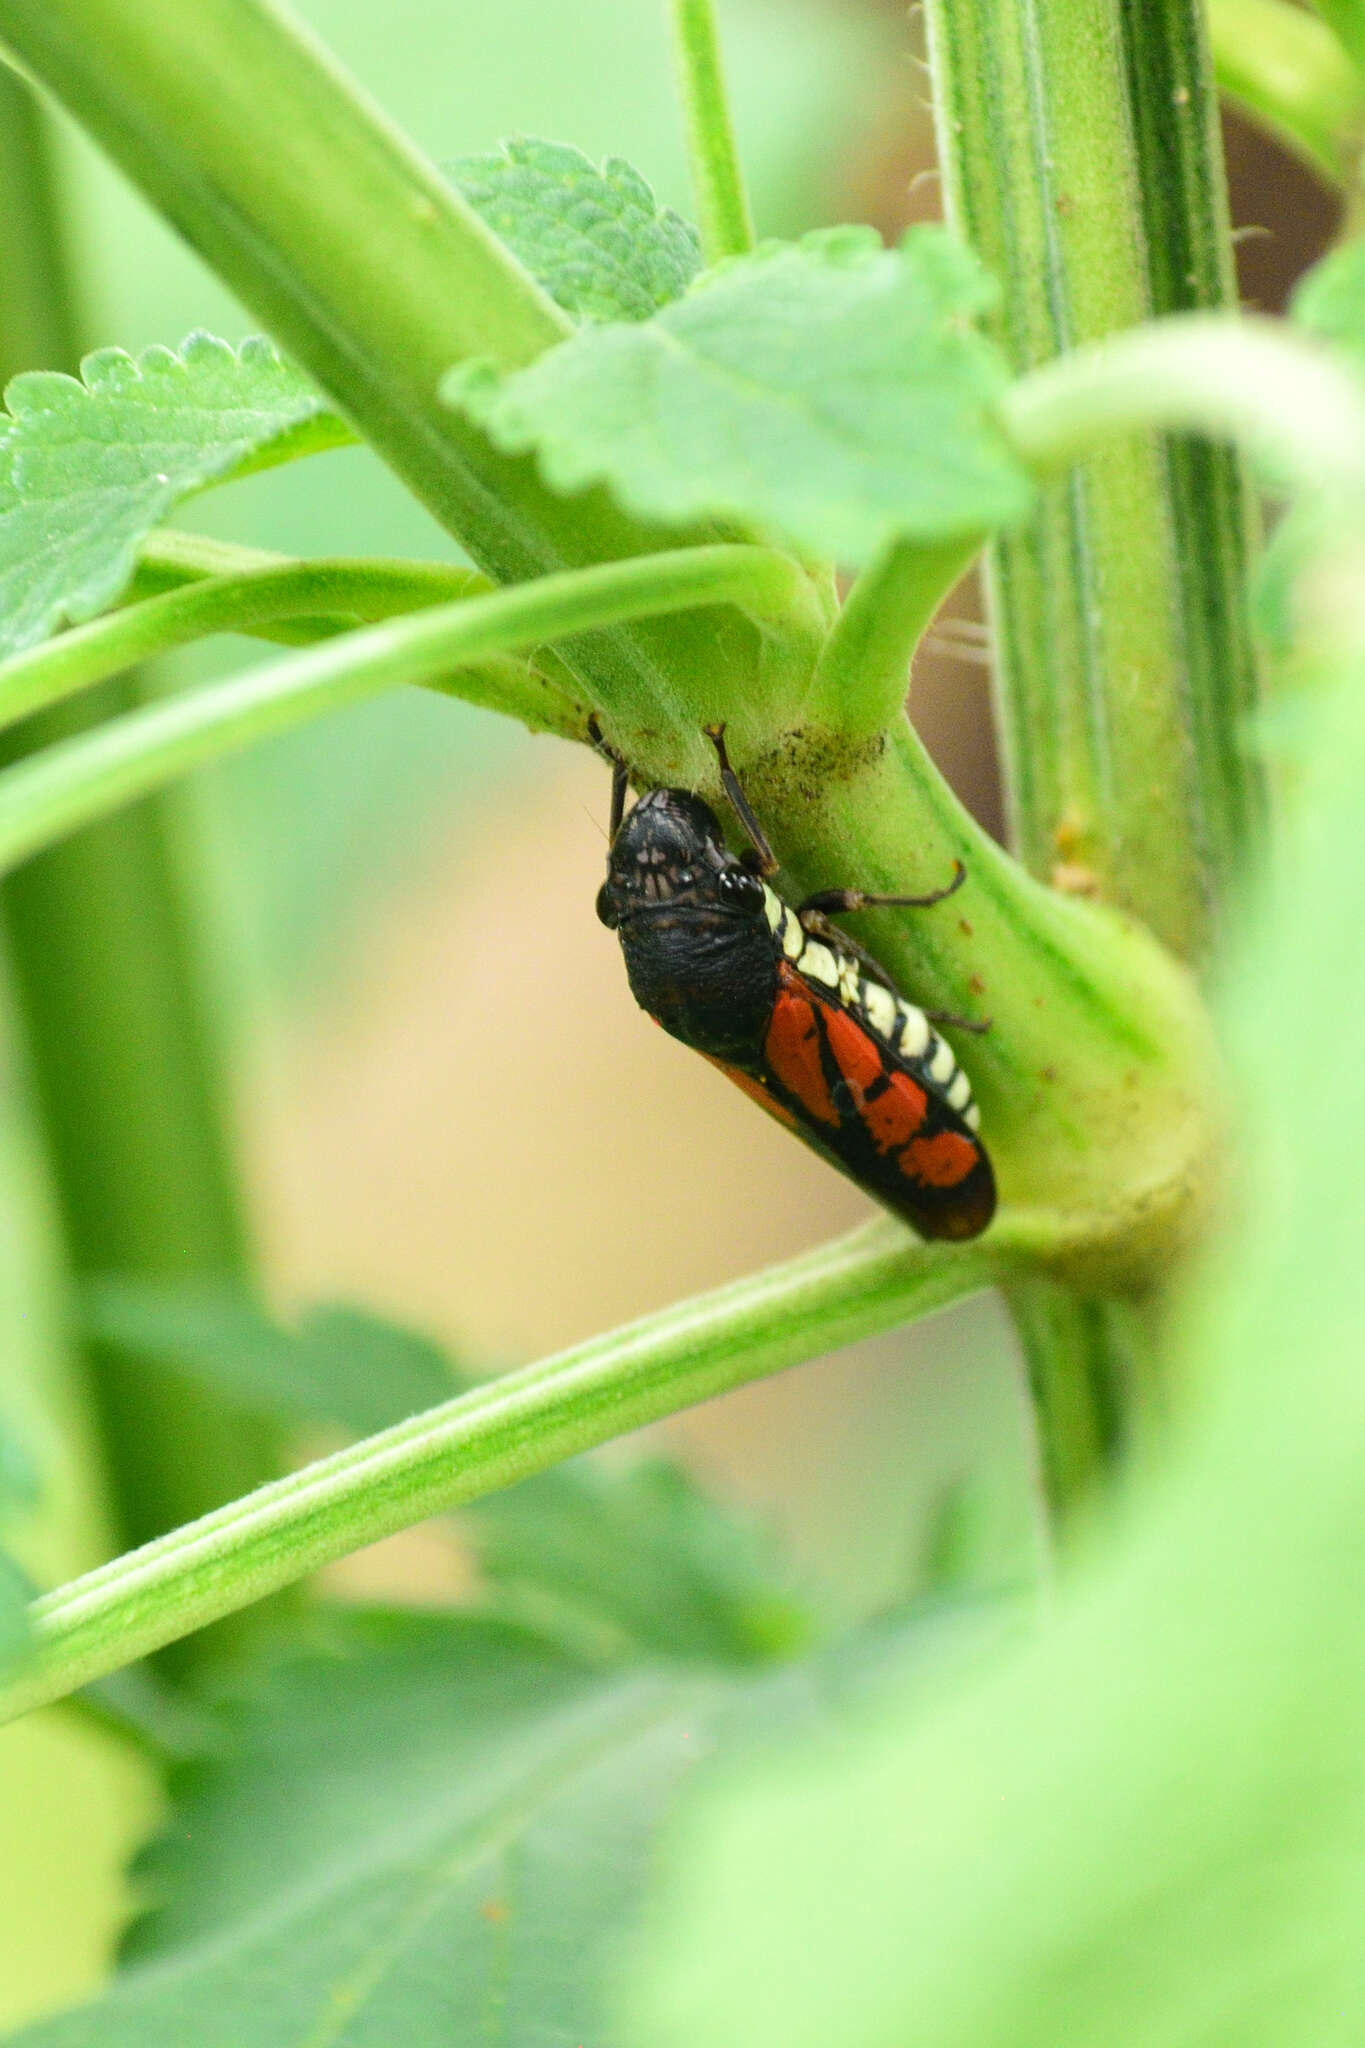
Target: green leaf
(340, 1365)
(88, 468)
(597, 241)
(1148, 1825)
(832, 391)
(1330, 300)
(440, 1835)
(642, 1556)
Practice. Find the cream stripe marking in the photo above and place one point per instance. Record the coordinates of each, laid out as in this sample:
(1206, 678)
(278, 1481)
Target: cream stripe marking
(915, 1033)
(880, 1006)
(819, 964)
(943, 1065)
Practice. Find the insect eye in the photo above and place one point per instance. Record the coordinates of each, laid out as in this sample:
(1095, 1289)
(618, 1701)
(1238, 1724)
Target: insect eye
(739, 890)
(606, 908)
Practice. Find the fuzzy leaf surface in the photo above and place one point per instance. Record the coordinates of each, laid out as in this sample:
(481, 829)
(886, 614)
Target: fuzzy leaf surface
(339, 1365)
(832, 391)
(89, 466)
(596, 240)
(642, 1560)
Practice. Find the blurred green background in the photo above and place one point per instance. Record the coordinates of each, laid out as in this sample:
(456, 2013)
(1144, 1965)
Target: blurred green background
(474, 1169)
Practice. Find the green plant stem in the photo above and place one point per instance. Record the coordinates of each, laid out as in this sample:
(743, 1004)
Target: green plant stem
(1079, 155)
(124, 1069)
(1291, 74)
(1102, 604)
(1210, 511)
(863, 674)
(323, 598)
(49, 796)
(1346, 19)
(723, 214)
(1091, 1376)
(503, 1432)
(375, 275)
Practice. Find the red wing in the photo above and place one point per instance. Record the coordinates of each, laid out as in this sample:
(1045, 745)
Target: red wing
(882, 1120)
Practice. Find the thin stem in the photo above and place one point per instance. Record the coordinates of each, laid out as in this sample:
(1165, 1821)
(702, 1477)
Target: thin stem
(723, 214)
(69, 785)
(503, 1432)
(329, 597)
(1291, 74)
(1091, 1376)
(1278, 393)
(863, 674)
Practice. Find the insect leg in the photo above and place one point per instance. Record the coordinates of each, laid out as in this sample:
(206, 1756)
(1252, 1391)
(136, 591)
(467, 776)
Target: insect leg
(767, 860)
(818, 925)
(836, 902)
(977, 1024)
(619, 776)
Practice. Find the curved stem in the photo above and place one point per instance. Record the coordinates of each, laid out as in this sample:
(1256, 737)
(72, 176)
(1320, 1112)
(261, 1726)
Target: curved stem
(69, 785)
(861, 679)
(1277, 393)
(500, 1433)
(331, 595)
(727, 227)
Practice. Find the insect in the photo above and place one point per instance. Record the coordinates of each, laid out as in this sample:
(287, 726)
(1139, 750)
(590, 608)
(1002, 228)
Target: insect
(790, 1008)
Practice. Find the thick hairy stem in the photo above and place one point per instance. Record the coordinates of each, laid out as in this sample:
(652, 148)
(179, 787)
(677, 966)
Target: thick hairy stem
(1080, 156)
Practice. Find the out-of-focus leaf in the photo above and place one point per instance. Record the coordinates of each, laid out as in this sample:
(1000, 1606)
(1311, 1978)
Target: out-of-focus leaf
(641, 1554)
(1330, 300)
(88, 467)
(340, 1365)
(1148, 1826)
(597, 241)
(438, 1837)
(832, 391)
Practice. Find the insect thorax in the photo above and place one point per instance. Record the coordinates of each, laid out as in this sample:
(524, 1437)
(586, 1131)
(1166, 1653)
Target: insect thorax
(708, 978)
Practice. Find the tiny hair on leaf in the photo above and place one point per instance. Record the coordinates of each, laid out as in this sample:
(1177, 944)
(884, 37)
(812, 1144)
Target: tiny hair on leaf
(596, 240)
